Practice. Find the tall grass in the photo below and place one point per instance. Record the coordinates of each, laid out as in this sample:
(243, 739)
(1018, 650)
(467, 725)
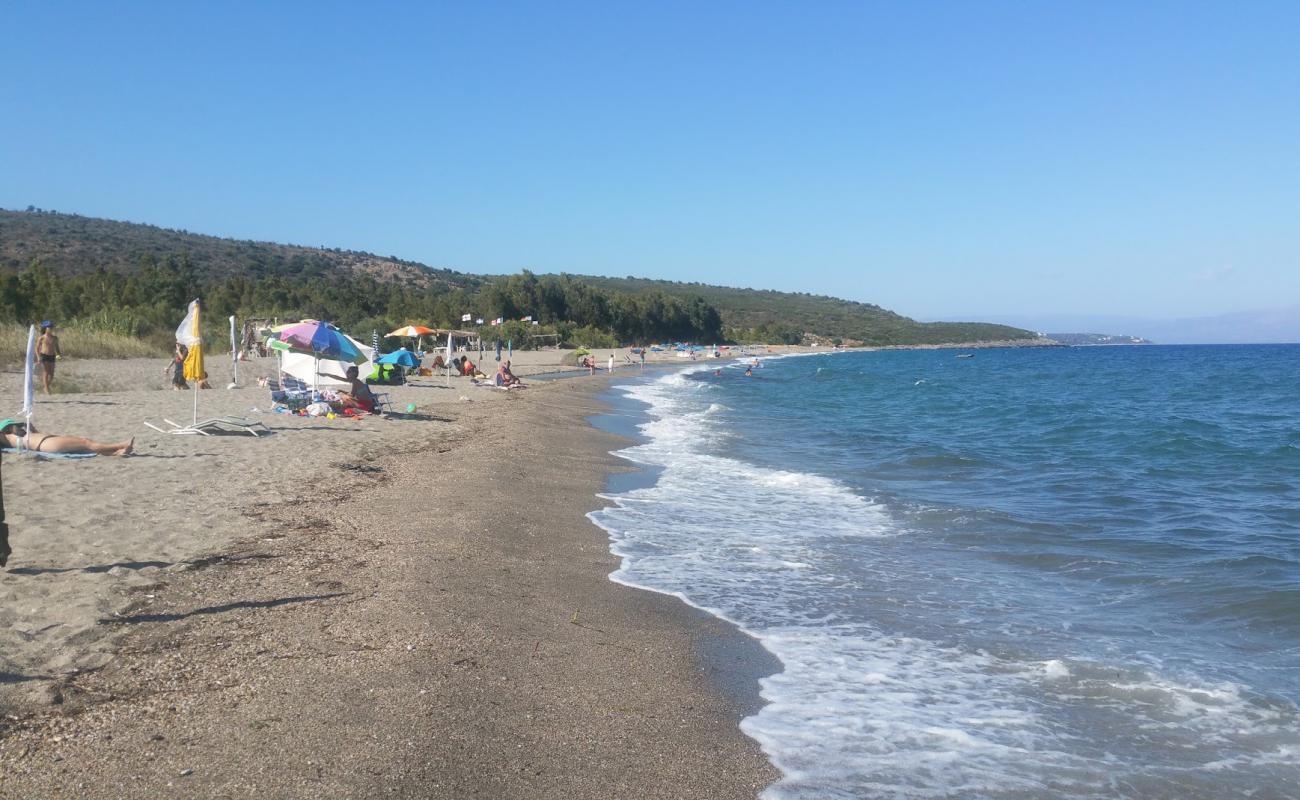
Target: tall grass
(80, 342)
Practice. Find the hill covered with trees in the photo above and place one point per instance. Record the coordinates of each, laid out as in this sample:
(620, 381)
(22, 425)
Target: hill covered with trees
(766, 315)
(135, 280)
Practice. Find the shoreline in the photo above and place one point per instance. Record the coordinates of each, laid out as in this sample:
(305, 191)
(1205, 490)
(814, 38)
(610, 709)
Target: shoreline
(738, 660)
(392, 637)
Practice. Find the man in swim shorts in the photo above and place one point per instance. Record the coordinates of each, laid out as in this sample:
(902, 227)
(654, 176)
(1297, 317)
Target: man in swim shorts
(47, 352)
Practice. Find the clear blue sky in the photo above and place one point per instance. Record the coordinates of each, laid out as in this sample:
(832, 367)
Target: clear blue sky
(945, 160)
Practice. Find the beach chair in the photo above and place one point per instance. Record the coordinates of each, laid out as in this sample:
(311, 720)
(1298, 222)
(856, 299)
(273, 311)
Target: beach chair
(290, 392)
(383, 403)
(214, 426)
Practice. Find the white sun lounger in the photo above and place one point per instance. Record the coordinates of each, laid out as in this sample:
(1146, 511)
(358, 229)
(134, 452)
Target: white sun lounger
(215, 426)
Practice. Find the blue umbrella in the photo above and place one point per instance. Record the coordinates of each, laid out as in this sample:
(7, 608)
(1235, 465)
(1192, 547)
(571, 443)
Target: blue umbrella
(402, 358)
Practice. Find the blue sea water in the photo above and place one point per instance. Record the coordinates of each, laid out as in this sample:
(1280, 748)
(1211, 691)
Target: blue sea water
(1034, 573)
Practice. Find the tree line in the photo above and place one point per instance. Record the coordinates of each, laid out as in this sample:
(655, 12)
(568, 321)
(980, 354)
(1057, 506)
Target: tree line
(150, 301)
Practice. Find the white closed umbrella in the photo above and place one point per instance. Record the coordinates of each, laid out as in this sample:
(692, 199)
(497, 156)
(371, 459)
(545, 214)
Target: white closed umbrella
(29, 387)
(448, 359)
(234, 355)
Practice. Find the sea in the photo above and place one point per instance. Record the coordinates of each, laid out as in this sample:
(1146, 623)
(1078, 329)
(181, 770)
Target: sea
(996, 573)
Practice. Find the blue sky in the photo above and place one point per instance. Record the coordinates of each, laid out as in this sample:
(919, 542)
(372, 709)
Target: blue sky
(946, 160)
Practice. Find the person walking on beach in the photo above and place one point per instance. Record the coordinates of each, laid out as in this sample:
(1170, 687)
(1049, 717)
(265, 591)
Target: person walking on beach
(611, 363)
(47, 352)
(177, 367)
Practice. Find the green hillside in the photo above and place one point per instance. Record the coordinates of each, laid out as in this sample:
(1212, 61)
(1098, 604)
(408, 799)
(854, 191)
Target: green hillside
(70, 244)
(132, 279)
(766, 315)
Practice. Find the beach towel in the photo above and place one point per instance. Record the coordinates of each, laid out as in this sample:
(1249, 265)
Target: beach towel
(38, 454)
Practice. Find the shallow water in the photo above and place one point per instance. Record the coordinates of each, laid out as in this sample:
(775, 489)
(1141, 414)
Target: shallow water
(1033, 573)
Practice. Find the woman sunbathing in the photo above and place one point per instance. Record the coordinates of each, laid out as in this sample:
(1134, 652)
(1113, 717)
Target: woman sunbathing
(17, 435)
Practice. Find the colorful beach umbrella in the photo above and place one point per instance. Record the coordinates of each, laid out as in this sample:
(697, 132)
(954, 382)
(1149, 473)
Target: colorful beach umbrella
(412, 331)
(319, 339)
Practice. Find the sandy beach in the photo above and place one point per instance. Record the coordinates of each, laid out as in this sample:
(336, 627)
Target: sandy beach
(412, 605)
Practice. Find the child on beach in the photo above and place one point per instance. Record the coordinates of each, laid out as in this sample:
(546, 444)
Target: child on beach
(177, 367)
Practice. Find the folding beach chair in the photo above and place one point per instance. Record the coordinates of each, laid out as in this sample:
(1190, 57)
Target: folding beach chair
(214, 426)
(290, 392)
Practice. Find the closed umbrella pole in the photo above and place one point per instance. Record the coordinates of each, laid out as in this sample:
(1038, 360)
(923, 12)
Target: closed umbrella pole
(28, 387)
(187, 333)
(234, 355)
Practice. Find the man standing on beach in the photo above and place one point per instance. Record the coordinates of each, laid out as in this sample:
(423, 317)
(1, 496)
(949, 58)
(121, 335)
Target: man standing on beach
(47, 352)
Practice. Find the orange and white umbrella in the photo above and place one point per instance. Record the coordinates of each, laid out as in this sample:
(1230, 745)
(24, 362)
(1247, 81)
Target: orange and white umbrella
(412, 331)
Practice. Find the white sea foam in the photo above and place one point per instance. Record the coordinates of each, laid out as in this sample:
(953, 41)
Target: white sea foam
(858, 712)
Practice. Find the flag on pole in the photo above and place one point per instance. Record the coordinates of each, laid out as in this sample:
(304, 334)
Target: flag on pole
(374, 343)
(466, 317)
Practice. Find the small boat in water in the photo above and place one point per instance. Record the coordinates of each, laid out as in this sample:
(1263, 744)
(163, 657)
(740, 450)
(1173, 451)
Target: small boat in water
(965, 355)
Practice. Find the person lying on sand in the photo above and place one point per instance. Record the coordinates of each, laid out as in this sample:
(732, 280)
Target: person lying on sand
(358, 394)
(16, 434)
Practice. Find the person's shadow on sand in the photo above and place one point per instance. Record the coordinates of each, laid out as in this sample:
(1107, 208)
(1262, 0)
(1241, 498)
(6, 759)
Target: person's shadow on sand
(136, 619)
(137, 565)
